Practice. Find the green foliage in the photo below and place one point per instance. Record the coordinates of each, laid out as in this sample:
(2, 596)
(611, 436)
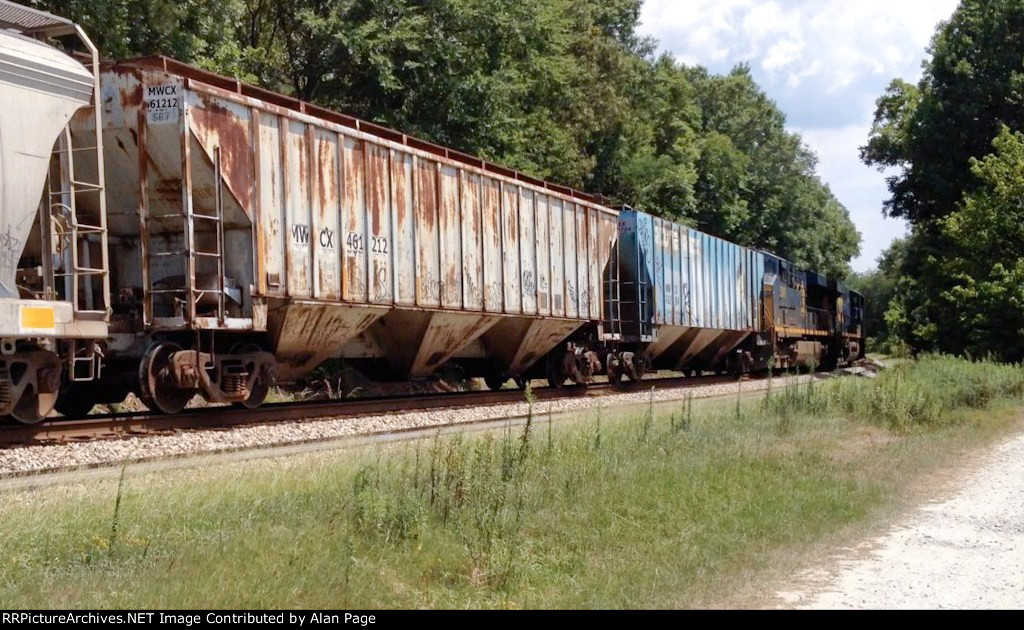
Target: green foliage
(958, 286)
(931, 391)
(879, 287)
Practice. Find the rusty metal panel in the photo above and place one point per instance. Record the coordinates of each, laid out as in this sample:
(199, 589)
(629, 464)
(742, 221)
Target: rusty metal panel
(271, 233)
(572, 269)
(490, 197)
(472, 242)
(221, 124)
(594, 291)
(510, 246)
(403, 218)
(582, 259)
(607, 238)
(379, 244)
(306, 333)
(298, 254)
(527, 251)
(326, 209)
(353, 221)
(543, 240)
(450, 232)
(557, 232)
(428, 276)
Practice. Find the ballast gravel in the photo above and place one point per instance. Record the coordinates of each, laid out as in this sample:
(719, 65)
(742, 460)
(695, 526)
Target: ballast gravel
(964, 552)
(22, 460)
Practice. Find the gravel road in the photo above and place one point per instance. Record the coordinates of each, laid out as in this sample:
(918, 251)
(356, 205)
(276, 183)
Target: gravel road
(964, 552)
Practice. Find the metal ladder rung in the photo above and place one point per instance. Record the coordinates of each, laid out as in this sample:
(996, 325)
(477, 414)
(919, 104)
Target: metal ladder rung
(76, 149)
(168, 254)
(207, 254)
(89, 229)
(206, 217)
(169, 291)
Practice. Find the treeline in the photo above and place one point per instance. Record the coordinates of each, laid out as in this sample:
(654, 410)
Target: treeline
(956, 284)
(565, 90)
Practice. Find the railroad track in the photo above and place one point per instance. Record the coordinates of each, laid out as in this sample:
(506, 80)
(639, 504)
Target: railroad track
(126, 425)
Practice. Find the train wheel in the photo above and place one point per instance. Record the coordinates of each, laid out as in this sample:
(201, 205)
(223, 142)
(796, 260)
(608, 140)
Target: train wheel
(495, 381)
(33, 406)
(555, 371)
(41, 378)
(520, 382)
(613, 369)
(257, 395)
(158, 391)
(633, 367)
(261, 388)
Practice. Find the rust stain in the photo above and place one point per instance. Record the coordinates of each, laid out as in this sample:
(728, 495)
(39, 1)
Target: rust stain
(216, 125)
(398, 178)
(426, 199)
(512, 215)
(327, 190)
(131, 98)
(376, 177)
(354, 178)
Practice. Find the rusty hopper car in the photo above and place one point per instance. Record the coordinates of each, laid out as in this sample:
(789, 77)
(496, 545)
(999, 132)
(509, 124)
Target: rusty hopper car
(254, 236)
(53, 292)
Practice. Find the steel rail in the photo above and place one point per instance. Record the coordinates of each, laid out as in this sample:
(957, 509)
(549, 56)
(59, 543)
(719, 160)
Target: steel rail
(120, 426)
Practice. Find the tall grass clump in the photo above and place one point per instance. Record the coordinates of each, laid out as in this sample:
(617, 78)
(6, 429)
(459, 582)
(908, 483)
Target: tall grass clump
(927, 392)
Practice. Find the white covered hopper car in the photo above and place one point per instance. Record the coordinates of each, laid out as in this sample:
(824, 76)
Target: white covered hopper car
(53, 291)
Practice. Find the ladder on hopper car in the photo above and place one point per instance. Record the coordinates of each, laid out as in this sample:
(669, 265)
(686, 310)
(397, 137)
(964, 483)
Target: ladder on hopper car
(191, 294)
(638, 324)
(75, 182)
(613, 299)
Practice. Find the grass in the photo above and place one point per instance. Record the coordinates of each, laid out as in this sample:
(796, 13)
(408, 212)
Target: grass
(664, 506)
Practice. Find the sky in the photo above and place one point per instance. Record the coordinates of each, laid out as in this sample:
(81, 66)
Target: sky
(824, 62)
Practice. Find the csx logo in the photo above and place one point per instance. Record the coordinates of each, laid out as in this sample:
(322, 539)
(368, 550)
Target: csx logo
(300, 234)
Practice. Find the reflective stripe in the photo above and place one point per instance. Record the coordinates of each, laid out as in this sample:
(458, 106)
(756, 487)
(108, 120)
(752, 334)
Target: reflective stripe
(38, 318)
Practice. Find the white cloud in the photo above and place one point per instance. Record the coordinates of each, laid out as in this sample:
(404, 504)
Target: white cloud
(825, 62)
(846, 40)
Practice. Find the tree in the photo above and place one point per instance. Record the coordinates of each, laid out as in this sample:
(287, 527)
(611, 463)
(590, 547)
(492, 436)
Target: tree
(933, 134)
(986, 233)
(879, 287)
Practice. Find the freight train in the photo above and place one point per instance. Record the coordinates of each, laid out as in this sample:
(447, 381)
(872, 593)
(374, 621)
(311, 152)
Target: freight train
(170, 232)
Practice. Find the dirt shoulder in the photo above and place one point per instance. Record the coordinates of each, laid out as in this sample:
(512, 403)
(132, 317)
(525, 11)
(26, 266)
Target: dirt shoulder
(960, 544)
